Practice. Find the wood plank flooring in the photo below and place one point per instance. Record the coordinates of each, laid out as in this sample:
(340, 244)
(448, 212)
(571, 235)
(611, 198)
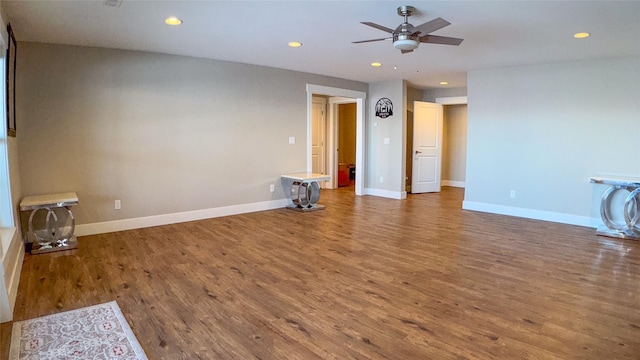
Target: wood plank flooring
(367, 278)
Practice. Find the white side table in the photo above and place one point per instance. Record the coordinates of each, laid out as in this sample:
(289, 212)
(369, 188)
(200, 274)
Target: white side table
(305, 190)
(58, 214)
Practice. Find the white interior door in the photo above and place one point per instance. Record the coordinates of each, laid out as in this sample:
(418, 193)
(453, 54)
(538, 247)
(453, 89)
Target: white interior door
(318, 135)
(427, 147)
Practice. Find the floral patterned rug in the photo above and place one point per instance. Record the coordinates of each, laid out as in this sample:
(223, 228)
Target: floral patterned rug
(94, 332)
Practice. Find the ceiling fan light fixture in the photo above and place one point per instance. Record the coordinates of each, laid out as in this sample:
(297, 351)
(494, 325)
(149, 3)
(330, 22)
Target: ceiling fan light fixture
(406, 44)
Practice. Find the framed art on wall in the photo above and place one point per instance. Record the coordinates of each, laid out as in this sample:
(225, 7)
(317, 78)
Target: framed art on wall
(11, 83)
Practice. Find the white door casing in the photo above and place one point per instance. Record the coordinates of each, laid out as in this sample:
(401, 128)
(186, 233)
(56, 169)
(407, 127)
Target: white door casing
(427, 147)
(360, 98)
(318, 135)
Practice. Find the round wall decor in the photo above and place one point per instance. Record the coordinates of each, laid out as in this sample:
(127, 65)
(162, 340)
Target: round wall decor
(384, 108)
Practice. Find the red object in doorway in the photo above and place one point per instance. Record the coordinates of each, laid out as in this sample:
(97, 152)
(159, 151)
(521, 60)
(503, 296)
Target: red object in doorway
(343, 175)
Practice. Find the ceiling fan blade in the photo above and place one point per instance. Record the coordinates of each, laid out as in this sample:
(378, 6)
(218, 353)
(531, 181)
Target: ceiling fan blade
(379, 27)
(406, 51)
(431, 26)
(372, 40)
(444, 40)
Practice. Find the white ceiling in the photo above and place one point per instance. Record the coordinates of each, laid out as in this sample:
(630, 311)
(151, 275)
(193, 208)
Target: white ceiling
(496, 33)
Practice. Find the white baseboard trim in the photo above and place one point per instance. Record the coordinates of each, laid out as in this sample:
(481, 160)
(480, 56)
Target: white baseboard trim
(453, 183)
(10, 270)
(399, 195)
(532, 214)
(165, 219)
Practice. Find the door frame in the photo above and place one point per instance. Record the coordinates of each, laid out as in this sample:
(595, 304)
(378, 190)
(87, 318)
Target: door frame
(360, 98)
(454, 100)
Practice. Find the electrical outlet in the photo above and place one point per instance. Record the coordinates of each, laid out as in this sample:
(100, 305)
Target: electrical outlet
(381, 179)
(272, 188)
(292, 140)
(513, 194)
(117, 205)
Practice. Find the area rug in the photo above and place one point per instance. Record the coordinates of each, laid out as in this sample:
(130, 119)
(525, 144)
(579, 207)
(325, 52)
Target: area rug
(94, 332)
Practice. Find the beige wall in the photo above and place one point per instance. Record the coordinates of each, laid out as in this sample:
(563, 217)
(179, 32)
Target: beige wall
(454, 144)
(387, 160)
(544, 130)
(162, 133)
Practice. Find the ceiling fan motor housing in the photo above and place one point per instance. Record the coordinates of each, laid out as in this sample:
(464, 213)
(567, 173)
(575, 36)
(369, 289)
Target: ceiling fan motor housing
(403, 38)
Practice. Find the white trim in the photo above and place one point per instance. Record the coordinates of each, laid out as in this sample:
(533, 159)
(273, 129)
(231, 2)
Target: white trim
(165, 219)
(331, 91)
(360, 146)
(10, 279)
(454, 100)
(453, 183)
(398, 195)
(360, 116)
(532, 214)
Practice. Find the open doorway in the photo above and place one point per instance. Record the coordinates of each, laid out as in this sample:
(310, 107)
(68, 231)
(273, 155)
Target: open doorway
(454, 142)
(454, 157)
(454, 145)
(346, 122)
(337, 96)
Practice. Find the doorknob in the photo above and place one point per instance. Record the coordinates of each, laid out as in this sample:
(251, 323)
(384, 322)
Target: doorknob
(418, 152)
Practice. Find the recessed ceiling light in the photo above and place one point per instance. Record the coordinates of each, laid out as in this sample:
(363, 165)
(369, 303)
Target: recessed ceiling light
(173, 21)
(376, 64)
(295, 44)
(444, 83)
(581, 35)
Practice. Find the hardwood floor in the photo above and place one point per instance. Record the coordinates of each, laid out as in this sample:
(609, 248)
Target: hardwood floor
(366, 278)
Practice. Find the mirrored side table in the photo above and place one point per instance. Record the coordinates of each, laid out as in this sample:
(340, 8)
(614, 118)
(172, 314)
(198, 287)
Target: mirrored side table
(51, 222)
(305, 190)
(630, 210)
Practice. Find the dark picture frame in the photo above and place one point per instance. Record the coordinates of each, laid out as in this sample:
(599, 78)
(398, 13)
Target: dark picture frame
(12, 52)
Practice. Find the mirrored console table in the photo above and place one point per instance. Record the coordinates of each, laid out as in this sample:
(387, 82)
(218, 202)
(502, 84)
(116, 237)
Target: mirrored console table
(305, 190)
(630, 229)
(57, 232)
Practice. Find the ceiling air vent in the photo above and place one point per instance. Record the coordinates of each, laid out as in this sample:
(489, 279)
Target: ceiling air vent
(115, 3)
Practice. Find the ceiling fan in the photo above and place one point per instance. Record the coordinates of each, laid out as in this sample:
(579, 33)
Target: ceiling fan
(407, 37)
